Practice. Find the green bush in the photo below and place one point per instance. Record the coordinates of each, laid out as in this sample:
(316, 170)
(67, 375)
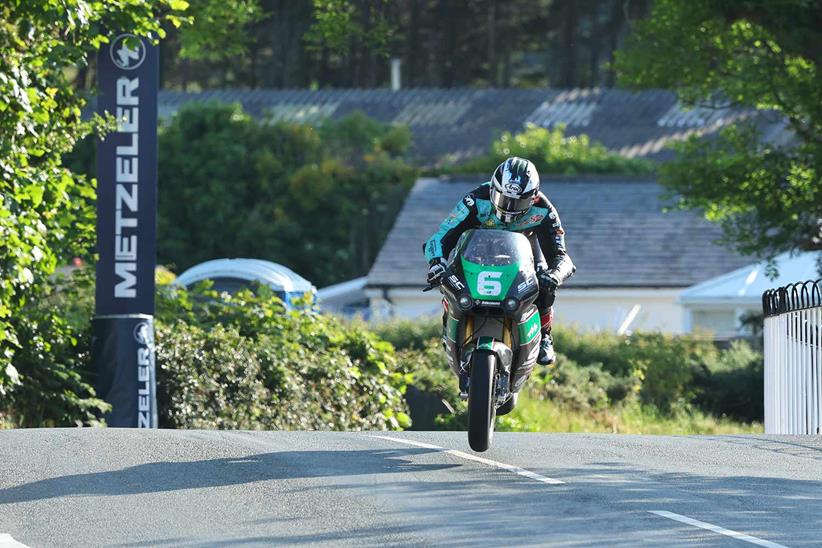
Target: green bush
(596, 370)
(733, 384)
(210, 379)
(223, 361)
(233, 186)
(242, 361)
(409, 334)
(582, 387)
(53, 382)
(555, 153)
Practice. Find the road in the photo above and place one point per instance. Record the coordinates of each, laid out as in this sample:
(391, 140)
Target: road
(93, 487)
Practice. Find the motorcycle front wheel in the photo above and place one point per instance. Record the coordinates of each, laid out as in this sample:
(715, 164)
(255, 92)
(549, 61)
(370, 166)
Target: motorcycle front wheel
(481, 409)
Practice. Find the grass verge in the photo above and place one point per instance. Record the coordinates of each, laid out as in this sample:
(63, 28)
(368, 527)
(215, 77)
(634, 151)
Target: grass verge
(533, 414)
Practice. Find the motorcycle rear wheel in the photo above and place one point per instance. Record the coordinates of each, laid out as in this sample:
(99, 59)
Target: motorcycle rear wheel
(481, 408)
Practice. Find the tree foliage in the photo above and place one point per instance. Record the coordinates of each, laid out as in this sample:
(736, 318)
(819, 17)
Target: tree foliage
(441, 43)
(553, 152)
(53, 381)
(242, 361)
(46, 212)
(216, 30)
(766, 195)
(223, 361)
(599, 371)
(319, 200)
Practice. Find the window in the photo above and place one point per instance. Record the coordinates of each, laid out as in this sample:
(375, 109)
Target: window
(720, 322)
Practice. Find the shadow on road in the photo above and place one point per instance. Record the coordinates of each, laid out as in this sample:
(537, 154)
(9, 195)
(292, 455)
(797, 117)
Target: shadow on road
(171, 476)
(603, 504)
(398, 496)
(808, 447)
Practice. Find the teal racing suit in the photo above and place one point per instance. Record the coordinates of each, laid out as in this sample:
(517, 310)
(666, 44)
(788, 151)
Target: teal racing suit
(540, 224)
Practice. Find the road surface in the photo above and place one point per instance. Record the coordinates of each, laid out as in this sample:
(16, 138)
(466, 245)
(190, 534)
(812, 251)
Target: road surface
(93, 487)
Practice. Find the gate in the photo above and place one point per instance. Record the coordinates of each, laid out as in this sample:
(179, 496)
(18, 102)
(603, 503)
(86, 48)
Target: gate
(793, 358)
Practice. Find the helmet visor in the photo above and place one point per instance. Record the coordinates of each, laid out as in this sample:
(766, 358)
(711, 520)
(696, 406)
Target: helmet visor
(513, 206)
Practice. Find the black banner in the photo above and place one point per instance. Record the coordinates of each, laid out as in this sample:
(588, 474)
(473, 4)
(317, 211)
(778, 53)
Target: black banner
(124, 347)
(127, 177)
(123, 342)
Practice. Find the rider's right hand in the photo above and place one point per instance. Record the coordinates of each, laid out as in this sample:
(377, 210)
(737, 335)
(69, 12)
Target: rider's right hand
(435, 271)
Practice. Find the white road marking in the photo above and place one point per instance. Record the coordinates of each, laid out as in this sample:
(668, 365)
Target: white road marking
(7, 542)
(509, 467)
(716, 529)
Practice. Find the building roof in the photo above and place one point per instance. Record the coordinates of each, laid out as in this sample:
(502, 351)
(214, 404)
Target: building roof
(453, 124)
(746, 285)
(276, 276)
(616, 233)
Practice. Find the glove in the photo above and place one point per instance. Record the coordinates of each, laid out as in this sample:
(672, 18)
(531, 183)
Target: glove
(548, 281)
(435, 271)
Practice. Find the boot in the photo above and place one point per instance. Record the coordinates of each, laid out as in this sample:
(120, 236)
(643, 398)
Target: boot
(547, 356)
(509, 405)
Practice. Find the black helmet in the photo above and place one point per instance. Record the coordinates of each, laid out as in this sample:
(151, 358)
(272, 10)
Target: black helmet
(513, 187)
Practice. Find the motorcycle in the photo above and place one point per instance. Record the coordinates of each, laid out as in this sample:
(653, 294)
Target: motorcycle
(491, 326)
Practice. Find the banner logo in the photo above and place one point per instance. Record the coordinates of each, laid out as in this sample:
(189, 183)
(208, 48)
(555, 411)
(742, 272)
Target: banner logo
(123, 56)
(144, 335)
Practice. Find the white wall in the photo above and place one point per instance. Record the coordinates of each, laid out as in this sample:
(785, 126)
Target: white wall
(607, 309)
(722, 317)
(594, 309)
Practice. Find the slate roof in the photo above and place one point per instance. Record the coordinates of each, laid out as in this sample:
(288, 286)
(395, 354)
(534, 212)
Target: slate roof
(453, 124)
(617, 235)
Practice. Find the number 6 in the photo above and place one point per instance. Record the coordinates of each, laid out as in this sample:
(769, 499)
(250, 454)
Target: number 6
(488, 283)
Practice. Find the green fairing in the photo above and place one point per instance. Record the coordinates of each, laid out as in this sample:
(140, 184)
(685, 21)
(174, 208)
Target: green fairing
(529, 329)
(485, 343)
(495, 282)
(452, 328)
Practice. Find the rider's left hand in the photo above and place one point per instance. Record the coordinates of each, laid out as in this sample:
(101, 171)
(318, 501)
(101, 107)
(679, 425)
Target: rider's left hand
(548, 281)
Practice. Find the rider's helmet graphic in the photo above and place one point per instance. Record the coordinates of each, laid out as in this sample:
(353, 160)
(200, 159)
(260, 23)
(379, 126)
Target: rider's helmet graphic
(513, 187)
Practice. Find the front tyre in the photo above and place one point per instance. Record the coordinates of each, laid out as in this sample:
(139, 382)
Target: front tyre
(481, 408)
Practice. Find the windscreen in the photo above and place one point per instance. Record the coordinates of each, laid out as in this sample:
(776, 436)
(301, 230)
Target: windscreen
(495, 248)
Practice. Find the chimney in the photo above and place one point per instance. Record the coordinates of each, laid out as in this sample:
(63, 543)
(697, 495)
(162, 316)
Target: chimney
(396, 83)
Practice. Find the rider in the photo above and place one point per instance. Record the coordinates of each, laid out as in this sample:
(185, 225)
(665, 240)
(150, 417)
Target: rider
(511, 201)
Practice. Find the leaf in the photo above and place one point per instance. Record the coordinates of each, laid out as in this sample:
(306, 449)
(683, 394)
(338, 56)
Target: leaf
(178, 5)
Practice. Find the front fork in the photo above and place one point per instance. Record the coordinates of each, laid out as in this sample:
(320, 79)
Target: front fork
(461, 365)
(504, 356)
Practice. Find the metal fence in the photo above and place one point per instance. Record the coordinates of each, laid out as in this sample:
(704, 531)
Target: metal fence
(793, 358)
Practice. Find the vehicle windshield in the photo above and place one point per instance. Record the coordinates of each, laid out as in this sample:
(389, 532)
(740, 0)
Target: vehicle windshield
(495, 248)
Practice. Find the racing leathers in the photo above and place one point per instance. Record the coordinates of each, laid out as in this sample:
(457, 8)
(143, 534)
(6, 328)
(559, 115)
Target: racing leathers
(540, 223)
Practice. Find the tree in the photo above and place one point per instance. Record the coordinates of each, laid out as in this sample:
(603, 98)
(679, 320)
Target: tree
(319, 200)
(442, 43)
(759, 54)
(553, 153)
(46, 210)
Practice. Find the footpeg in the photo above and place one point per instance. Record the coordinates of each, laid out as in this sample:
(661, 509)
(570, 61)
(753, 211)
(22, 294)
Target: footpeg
(464, 379)
(502, 389)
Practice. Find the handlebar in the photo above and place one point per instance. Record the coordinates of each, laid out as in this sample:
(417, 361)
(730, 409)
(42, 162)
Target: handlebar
(438, 282)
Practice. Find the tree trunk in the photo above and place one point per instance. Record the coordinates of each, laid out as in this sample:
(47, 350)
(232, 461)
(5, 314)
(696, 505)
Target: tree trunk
(595, 46)
(493, 74)
(569, 44)
(412, 45)
(615, 26)
(448, 39)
